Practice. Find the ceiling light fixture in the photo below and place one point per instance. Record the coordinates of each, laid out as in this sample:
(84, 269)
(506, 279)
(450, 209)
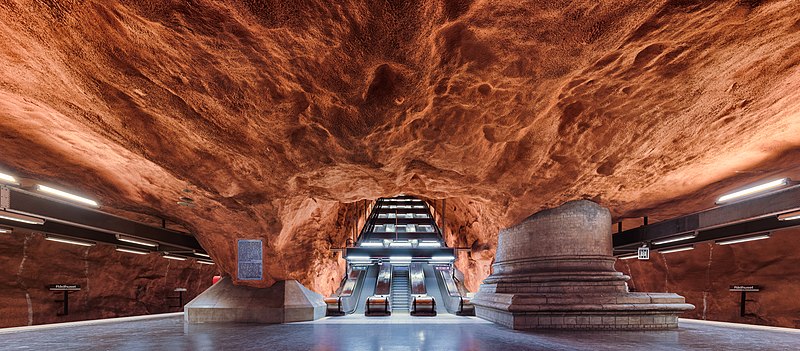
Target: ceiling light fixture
(205, 262)
(65, 195)
(370, 244)
(138, 241)
(760, 188)
(69, 241)
(429, 244)
(743, 239)
(5, 178)
(4, 230)
(177, 258)
(677, 249)
(628, 257)
(789, 216)
(202, 254)
(133, 251)
(674, 239)
(21, 218)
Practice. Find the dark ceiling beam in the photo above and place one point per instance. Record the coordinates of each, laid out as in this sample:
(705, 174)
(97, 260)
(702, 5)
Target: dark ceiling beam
(753, 215)
(71, 220)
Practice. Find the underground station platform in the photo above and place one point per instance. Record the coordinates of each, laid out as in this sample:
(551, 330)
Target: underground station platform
(399, 175)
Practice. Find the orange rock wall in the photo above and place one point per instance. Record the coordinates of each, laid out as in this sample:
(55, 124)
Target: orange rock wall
(114, 284)
(276, 114)
(703, 276)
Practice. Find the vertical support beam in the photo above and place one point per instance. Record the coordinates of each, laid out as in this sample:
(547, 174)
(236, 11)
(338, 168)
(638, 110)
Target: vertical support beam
(741, 304)
(645, 220)
(619, 226)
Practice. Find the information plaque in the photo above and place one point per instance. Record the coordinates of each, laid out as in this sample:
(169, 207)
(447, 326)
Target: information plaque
(250, 259)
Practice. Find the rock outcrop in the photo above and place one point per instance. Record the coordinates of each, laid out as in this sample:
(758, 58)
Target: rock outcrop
(280, 117)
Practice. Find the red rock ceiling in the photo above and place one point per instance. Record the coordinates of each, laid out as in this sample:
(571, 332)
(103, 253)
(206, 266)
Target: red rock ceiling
(273, 112)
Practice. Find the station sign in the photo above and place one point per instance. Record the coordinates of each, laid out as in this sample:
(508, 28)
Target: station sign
(64, 287)
(745, 287)
(644, 253)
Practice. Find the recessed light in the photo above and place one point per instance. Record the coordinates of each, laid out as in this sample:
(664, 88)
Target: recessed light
(177, 258)
(6, 178)
(674, 239)
(69, 241)
(132, 240)
(743, 239)
(21, 218)
(677, 249)
(753, 190)
(133, 251)
(789, 216)
(65, 195)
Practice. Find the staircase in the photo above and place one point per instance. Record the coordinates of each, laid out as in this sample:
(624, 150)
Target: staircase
(400, 289)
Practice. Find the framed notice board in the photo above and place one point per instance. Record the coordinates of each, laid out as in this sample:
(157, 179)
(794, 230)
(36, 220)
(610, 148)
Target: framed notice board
(250, 258)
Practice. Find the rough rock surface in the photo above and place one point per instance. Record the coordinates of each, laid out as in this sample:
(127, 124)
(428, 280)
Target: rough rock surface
(279, 116)
(113, 284)
(704, 275)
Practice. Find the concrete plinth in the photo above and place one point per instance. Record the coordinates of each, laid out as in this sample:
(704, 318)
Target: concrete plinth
(555, 270)
(286, 301)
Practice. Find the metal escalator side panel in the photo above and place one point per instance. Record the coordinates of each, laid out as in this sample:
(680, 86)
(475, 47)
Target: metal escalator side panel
(384, 283)
(417, 277)
(447, 278)
(352, 281)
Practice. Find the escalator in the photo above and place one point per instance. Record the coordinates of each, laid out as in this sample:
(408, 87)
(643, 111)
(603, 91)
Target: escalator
(405, 265)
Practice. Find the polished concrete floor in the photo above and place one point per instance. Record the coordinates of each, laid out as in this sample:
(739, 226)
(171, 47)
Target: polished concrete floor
(170, 333)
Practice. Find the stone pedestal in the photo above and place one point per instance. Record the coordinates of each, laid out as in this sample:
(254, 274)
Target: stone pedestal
(286, 301)
(556, 270)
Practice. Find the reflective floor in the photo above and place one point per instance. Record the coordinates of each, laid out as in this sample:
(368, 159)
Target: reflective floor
(171, 333)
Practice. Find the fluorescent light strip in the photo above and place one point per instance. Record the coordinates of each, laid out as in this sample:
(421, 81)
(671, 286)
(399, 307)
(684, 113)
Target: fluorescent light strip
(69, 241)
(6, 230)
(8, 178)
(370, 244)
(753, 190)
(674, 239)
(400, 244)
(202, 254)
(174, 258)
(66, 195)
(443, 258)
(205, 262)
(429, 244)
(400, 258)
(21, 218)
(743, 239)
(628, 257)
(133, 240)
(789, 216)
(357, 258)
(677, 249)
(133, 251)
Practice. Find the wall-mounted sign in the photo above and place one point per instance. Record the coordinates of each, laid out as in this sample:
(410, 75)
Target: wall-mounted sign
(644, 253)
(745, 287)
(250, 258)
(64, 287)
